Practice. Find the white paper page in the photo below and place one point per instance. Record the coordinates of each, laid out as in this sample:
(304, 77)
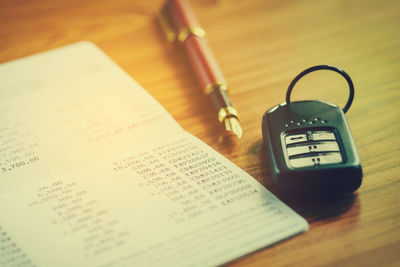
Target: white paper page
(175, 203)
(67, 108)
(85, 179)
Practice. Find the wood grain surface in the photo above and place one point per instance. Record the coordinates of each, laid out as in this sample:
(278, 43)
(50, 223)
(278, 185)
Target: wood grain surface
(260, 45)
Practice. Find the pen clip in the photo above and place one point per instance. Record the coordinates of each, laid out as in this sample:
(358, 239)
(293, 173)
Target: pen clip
(166, 25)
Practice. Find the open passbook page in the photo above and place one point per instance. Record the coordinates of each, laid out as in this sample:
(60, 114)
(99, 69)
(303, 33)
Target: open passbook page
(94, 172)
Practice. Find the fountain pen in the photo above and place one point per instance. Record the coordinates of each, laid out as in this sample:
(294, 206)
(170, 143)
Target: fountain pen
(180, 25)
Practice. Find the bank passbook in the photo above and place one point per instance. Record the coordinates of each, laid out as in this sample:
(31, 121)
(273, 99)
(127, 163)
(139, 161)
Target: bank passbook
(95, 172)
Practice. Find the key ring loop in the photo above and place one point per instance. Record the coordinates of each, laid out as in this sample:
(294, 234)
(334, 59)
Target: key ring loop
(324, 67)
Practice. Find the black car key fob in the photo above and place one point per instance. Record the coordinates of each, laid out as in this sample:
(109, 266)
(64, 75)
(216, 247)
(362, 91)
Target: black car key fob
(309, 146)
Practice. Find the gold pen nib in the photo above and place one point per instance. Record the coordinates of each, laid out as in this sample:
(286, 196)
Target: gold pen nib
(232, 125)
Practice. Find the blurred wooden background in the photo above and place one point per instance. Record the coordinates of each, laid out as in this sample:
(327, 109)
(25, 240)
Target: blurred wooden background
(260, 45)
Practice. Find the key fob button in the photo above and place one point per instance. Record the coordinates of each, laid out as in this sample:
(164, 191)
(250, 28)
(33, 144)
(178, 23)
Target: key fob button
(323, 135)
(301, 162)
(295, 138)
(330, 158)
(316, 160)
(312, 148)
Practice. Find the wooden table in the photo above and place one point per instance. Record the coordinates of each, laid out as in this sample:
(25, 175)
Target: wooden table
(261, 45)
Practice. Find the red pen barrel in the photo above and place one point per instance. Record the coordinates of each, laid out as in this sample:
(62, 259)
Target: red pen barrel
(203, 63)
(199, 53)
(181, 14)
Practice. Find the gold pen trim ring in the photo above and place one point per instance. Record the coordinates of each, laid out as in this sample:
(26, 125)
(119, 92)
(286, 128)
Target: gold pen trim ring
(215, 85)
(227, 112)
(190, 30)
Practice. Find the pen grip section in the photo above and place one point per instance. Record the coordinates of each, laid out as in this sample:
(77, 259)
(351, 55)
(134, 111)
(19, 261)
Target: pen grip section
(203, 63)
(223, 105)
(220, 98)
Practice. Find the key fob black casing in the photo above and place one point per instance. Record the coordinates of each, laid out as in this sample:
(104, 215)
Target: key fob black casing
(310, 150)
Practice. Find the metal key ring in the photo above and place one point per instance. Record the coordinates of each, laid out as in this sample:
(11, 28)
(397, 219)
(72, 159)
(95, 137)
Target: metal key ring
(324, 67)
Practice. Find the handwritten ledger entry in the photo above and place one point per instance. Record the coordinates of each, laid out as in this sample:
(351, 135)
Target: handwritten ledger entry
(94, 172)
